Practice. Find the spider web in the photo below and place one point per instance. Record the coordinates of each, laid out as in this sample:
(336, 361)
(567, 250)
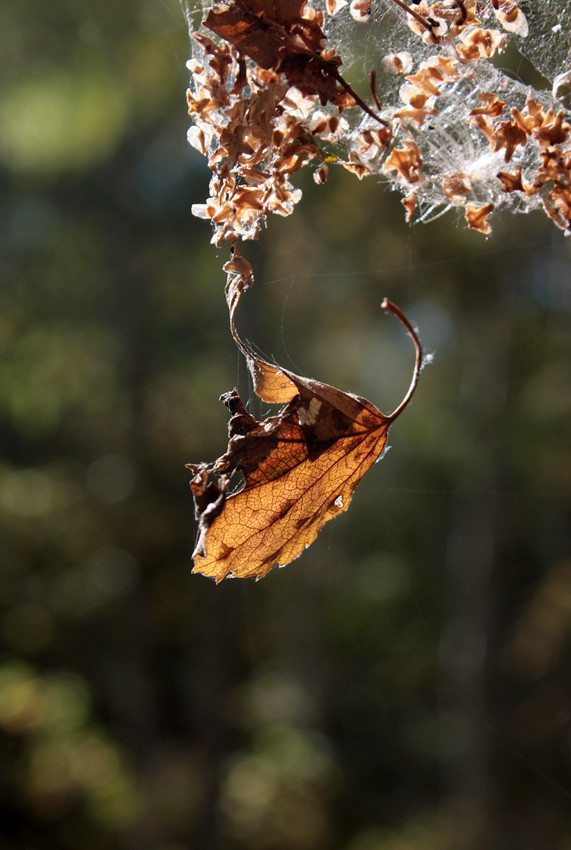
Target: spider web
(547, 45)
(452, 144)
(448, 140)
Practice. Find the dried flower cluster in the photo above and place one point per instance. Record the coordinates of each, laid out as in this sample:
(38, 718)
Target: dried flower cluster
(443, 125)
(255, 100)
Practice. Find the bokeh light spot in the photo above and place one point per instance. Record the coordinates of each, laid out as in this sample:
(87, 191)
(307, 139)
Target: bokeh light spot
(113, 570)
(111, 478)
(28, 627)
(27, 493)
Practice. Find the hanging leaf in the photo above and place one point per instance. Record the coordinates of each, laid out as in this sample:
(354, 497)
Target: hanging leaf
(300, 466)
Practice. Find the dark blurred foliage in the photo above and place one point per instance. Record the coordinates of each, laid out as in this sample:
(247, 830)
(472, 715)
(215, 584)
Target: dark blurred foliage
(405, 685)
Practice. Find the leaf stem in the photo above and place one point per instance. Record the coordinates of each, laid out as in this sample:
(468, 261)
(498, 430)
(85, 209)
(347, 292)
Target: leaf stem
(388, 305)
(414, 14)
(350, 90)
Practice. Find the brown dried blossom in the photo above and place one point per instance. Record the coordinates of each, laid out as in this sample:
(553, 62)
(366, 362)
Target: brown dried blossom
(429, 27)
(552, 130)
(480, 44)
(321, 174)
(510, 16)
(406, 161)
(492, 105)
(252, 106)
(456, 186)
(527, 123)
(334, 6)
(416, 114)
(432, 74)
(511, 182)
(558, 206)
(355, 167)
(397, 63)
(486, 126)
(477, 217)
(409, 203)
(507, 135)
(555, 171)
(361, 10)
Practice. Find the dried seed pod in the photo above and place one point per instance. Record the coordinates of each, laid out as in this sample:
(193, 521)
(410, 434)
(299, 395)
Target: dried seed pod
(361, 10)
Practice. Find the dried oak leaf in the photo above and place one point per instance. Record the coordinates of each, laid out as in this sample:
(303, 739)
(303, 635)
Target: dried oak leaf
(300, 466)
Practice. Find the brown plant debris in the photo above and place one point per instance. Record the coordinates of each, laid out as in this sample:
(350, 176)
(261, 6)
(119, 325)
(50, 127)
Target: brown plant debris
(300, 466)
(477, 217)
(511, 182)
(267, 98)
(254, 105)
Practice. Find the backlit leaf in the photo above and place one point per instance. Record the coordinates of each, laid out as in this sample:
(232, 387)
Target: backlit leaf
(300, 466)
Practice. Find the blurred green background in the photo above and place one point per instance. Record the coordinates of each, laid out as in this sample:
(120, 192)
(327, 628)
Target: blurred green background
(405, 684)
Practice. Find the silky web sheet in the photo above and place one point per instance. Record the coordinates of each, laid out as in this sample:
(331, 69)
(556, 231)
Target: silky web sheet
(445, 150)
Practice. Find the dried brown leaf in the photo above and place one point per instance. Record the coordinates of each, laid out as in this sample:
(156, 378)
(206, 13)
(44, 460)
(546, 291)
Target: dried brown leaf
(300, 466)
(286, 36)
(240, 24)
